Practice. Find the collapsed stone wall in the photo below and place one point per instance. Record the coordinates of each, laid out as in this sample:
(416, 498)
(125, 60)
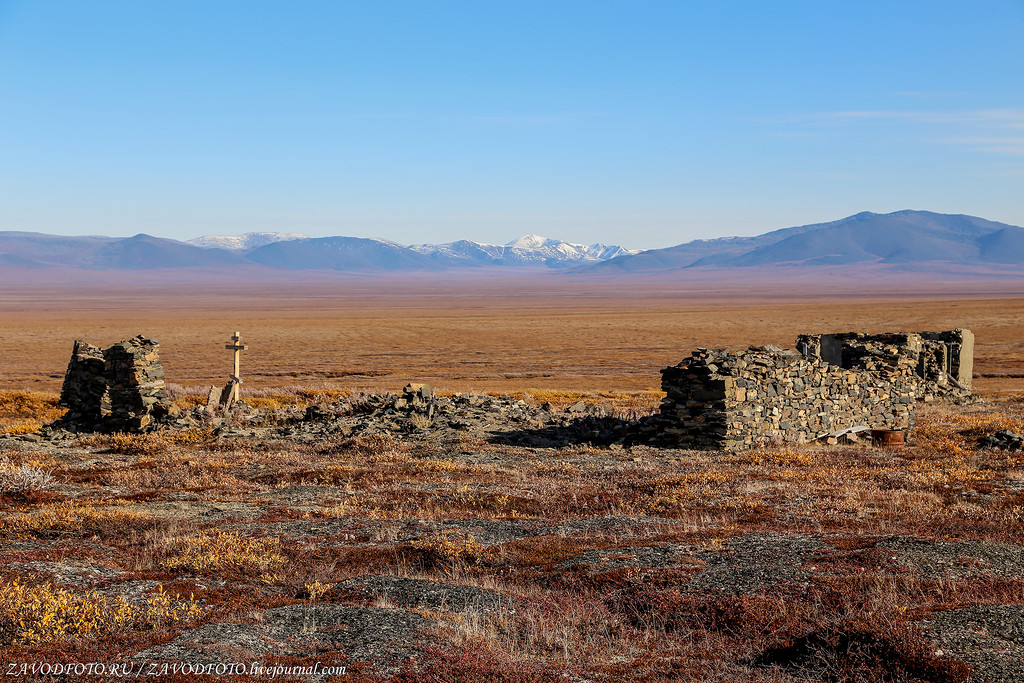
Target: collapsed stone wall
(943, 360)
(120, 388)
(729, 400)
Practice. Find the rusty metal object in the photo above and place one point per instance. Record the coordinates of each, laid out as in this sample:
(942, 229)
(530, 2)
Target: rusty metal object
(887, 438)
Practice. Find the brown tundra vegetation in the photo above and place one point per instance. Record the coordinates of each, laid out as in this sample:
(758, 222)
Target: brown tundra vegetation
(510, 536)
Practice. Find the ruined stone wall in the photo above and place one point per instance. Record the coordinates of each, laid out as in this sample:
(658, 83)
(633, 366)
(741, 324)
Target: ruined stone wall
(730, 400)
(120, 388)
(944, 360)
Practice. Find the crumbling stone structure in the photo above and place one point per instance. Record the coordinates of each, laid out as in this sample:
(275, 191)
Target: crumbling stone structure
(120, 388)
(730, 400)
(944, 361)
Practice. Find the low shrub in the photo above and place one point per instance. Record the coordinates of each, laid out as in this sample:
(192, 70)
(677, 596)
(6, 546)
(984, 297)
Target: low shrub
(223, 551)
(44, 613)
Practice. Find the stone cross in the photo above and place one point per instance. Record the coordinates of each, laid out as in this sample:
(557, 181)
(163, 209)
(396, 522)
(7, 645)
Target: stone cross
(237, 348)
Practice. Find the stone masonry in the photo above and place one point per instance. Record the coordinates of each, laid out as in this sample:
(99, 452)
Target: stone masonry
(120, 388)
(765, 396)
(943, 360)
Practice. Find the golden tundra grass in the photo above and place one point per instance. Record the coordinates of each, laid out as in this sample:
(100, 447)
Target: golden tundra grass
(500, 336)
(632, 623)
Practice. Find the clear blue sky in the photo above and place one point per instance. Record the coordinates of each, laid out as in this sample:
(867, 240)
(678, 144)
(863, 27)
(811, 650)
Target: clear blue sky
(645, 123)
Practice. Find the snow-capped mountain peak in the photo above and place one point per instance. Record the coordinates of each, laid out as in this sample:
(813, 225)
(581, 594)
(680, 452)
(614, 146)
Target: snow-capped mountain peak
(533, 242)
(250, 240)
(527, 250)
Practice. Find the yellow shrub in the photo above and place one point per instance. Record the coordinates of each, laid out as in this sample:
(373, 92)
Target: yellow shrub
(18, 427)
(451, 548)
(222, 551)
(44, 613)
(187, 437)
(37, 405)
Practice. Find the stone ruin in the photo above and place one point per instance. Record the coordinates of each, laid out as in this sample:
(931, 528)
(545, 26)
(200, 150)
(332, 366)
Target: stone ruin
(120, 388)
(943, 361)
(731, 400)
(834, 384)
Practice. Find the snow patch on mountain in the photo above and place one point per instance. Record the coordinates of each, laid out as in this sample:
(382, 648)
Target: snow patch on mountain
(250, 240)
(527, 250)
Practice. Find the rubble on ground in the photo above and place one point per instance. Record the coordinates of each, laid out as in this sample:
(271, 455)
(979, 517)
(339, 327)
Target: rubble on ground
(1004, 440)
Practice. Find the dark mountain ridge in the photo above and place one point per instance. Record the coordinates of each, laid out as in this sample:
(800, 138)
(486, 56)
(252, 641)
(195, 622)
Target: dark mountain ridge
(901, 237)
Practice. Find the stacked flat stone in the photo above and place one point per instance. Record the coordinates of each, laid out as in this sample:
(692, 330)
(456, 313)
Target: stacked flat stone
(120, 388)
(418, 398)
(943, 360)
(764, 396)
(84, 392)
(135, 381)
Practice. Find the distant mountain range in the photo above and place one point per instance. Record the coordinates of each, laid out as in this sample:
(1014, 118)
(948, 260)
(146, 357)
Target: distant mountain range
(904, 239)
(289, 251)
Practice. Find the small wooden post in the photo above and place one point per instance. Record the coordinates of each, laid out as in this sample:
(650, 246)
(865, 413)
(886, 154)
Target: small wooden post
(235, 378)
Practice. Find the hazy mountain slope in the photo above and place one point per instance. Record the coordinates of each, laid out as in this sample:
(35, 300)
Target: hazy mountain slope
(146, 251)
(108, 253)
(50, 250)
(1003, 246)
(901, 237)
(19, 261)
(339, 253)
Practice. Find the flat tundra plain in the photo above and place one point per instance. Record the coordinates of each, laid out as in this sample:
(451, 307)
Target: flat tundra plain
(487, 334)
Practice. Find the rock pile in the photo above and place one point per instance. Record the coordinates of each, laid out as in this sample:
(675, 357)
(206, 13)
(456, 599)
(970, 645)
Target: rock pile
(730, 400)
(120, 388)
(417, 398)
(1004, 440)
(419, 414)
(943, 360)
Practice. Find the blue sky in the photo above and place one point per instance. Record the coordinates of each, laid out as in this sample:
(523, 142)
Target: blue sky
(644, 123)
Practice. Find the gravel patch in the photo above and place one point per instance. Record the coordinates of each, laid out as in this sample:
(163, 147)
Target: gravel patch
(754, 563)
(384, 637)
(69, 573)
(956, 559)
(656, 557)
(199, 510)
(990, 638)
(408, 592)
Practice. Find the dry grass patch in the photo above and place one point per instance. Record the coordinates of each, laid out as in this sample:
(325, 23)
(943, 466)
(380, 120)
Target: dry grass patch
(148, 444)
(113, 518)
(24, 478)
